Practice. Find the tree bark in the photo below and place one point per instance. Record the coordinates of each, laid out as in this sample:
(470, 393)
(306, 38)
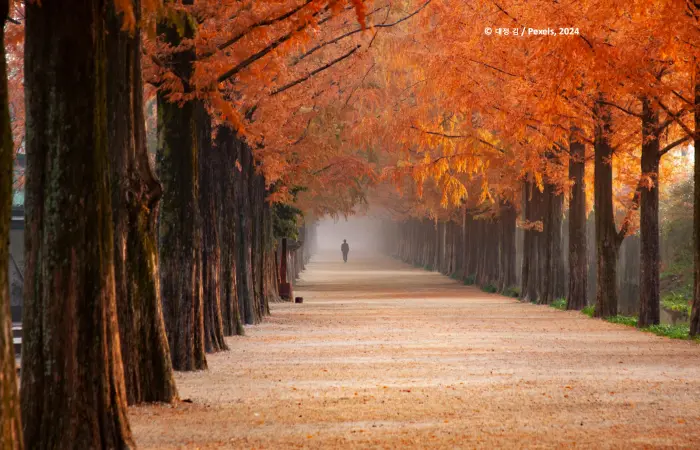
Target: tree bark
(558, 272)
(179, 223)
(209, 194)
(607, 240)
(148, 371)
(10, 423)
(73, 392)
(649, 297)
(578, 249)
(546, 241)
(527, 242)
(226, 153)
(244, 237)
(695, 314)
(507, 247)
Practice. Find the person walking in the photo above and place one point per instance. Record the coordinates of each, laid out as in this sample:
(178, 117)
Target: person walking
(345, 248)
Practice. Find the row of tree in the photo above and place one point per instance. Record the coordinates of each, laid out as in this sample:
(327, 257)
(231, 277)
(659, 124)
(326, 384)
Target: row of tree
(592, 120)
(131, 271)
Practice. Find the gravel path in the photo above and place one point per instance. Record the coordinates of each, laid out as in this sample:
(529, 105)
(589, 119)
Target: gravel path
(383, 355)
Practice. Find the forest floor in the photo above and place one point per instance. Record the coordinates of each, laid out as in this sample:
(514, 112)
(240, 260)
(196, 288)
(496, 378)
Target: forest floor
(384, 355)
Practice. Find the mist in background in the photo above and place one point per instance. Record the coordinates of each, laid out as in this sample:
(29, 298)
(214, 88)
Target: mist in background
(362, 233)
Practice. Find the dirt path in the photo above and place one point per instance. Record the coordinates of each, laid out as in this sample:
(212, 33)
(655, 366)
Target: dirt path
(382, 355)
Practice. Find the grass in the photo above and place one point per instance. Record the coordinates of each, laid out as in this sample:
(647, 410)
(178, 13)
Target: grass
(428, 267)
(671, 331)
(681, 331)
(559, 304)
(490, 288)
(469, 280)
(623, 320)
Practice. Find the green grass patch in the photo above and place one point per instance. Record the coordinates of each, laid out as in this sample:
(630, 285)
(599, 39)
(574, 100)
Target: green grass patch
(559, 304)
(490, 288)
(672, 331)
(469, 280)
(512, 291)
(589, 310)
(428, 267)
(623, 320)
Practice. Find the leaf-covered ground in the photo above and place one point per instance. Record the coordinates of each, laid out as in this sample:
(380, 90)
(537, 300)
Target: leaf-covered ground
(384, 355)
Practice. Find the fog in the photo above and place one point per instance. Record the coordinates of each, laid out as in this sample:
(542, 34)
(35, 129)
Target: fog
(362, 233)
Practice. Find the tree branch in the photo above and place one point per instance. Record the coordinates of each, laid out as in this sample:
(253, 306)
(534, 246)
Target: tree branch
(673, 145)
(676, 117)
(314, 72)
(262, 23)
(458, 136)
(357, 30)
(494, 68)
(625, 110)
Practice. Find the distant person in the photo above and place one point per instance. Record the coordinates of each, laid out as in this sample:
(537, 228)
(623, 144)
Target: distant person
(345, 248)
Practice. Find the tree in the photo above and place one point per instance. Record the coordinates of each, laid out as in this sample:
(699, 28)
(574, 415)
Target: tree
(73, 389)
(179, 222)
(10, 423)
(578, 246)
(136, 193)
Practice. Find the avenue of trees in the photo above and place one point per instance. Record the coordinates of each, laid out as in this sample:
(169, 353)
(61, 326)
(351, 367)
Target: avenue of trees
(141, 258)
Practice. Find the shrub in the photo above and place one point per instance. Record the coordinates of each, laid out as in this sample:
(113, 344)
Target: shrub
(677, 301)
(512, 291)
(428, 267)
(470, 280)
(588, 310)
(559, 304)
(490, 288)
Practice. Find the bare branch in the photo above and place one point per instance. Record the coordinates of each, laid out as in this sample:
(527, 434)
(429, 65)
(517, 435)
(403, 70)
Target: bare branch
(358, 30)
(314, 72)
(673, 145)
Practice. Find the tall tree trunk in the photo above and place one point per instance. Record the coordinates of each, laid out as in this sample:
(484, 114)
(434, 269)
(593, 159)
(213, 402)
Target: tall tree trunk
(148, 371)
(507, 247)
(179, 221)
(607, 240)
(226, 153)
(10, 423)
(244, 237)
(695, 314)
(547, 239)
(257, 200)
(558, 272)
(209, 194)
(73, 392)
(649, 310)
(527, 242)
(578, 249)
(534, 286)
